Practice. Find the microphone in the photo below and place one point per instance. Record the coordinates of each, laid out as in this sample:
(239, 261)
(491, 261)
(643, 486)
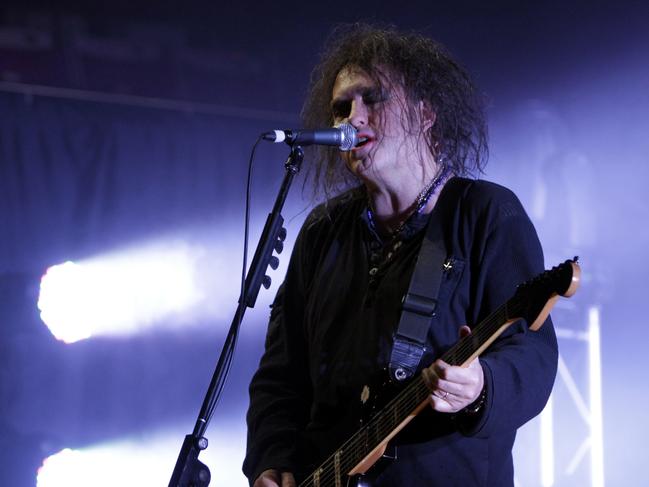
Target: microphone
(343, 136)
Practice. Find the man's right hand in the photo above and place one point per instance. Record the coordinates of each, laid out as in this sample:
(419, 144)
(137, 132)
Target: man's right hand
(273, 478)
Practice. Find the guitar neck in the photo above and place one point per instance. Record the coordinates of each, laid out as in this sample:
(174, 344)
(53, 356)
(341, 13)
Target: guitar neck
(533, 300)
(357, 454)
(483, 334)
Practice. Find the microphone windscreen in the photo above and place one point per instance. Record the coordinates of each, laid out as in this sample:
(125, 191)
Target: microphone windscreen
(348, 139)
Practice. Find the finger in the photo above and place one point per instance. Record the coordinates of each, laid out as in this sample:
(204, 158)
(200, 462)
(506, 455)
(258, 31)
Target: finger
(430, 378)
(447, 373)
(454, 374)
(453, 384)
(265, 482)
(464, 331)
(268, 478)
(439, 386)
(439, 398)
(441, 401)
(288, 480)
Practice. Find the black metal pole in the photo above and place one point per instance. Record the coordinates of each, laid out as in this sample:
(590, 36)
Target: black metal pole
(189, 470)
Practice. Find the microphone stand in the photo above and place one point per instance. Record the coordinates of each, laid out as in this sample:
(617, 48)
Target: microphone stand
(189, 470)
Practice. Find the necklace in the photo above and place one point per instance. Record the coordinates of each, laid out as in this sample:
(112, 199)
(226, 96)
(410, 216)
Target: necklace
(421, 201)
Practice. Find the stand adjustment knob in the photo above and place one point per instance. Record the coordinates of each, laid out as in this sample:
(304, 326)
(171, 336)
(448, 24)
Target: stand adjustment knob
(266, 282)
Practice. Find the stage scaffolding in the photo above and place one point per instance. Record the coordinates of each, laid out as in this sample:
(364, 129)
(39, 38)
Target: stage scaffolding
(563, 446)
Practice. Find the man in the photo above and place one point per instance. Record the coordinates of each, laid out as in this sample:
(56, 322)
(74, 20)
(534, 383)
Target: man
(421, 127)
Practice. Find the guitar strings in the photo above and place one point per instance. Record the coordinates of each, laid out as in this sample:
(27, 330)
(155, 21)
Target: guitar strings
(357, 445)
(413, 395)
(383, 423)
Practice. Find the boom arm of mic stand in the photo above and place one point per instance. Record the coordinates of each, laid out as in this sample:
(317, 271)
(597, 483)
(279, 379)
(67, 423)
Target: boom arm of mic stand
(189, 471)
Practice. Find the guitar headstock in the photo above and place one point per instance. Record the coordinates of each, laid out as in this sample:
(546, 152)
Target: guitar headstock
(537, 295)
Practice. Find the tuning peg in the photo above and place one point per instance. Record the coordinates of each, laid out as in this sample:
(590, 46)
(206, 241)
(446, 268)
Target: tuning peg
(266, 282)
(274, 262)
(279, 246)
(282, 234)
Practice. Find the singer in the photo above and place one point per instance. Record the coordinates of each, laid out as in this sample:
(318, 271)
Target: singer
(335, 320)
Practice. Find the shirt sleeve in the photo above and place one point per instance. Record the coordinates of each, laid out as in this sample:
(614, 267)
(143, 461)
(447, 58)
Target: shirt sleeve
(520, 367)
(280, 390)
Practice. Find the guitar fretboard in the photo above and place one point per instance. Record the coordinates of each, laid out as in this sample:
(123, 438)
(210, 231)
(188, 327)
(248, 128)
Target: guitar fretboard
(333, 472)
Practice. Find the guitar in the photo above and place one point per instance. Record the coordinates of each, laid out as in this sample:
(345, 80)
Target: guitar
(532, 302)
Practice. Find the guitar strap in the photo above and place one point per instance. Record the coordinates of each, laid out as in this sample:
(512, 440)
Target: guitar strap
(420, 302)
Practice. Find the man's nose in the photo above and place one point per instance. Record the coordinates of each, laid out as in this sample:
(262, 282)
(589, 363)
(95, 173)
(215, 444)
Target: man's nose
(359, 114)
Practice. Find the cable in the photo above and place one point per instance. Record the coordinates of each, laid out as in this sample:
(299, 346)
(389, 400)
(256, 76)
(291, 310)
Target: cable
(231, 340)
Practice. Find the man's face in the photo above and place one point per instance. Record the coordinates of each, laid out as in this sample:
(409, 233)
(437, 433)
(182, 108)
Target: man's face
(392, 139)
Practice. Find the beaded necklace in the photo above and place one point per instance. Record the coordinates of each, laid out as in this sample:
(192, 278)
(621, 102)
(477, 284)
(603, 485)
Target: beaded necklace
(380, 260)
(422, 200)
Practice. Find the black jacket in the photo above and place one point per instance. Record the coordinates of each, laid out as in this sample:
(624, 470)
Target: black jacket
(330, 335)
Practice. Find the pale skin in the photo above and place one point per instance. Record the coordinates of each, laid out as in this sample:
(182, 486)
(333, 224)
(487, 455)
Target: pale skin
(394, 165)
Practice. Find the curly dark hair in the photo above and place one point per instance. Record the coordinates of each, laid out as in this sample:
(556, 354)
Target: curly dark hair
(428, 73)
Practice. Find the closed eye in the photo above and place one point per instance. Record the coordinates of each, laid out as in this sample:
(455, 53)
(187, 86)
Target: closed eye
(372, 96)
(341, 109)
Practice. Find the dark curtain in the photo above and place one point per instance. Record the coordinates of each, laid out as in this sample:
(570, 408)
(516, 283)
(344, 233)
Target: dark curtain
(78, 178)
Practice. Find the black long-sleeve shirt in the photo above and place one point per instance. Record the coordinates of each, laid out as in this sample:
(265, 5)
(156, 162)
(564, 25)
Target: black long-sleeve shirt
(331, 328)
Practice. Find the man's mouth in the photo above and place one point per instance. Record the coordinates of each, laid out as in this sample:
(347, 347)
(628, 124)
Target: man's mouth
(362, 141)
